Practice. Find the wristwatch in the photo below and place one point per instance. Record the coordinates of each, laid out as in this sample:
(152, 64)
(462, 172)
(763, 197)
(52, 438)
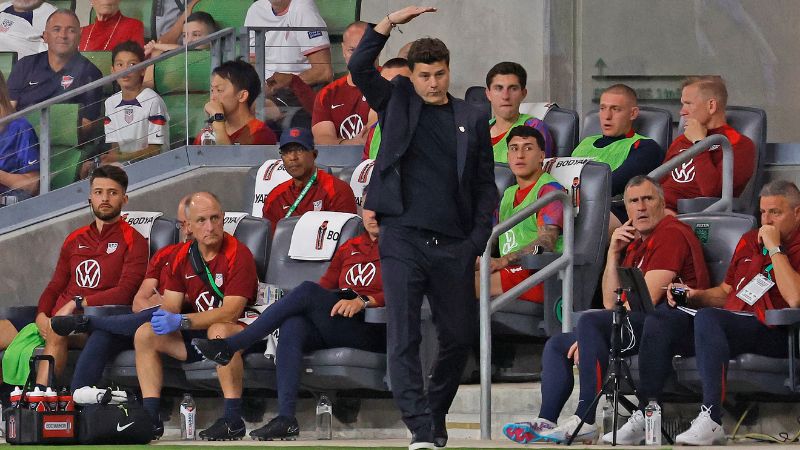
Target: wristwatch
(78, 299)
(775, 250)
(218, 117)
(186, 323)
(364, 299)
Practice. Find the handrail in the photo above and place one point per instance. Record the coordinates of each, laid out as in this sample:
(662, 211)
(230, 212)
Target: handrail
(563, 262)
(725, 203)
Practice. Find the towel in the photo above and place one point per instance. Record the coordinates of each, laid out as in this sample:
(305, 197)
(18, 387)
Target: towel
(232, 220)
(16, 359)
(269, 175)
(142, 221)
(316, 235)
(567, 171)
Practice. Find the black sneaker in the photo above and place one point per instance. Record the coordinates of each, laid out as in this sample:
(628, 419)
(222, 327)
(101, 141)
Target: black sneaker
(158, 429)
(66, 325)
(214, 350)
(281, 427)
(221, 430)
(421, 440)
(439, 433)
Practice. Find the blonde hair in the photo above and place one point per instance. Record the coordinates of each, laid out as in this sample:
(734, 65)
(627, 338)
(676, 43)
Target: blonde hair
(710, 86)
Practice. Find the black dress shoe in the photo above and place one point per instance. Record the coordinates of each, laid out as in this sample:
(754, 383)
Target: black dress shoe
(66, 325)
(214, 350)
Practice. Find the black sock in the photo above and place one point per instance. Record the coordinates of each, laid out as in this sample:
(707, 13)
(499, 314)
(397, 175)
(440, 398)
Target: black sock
(151, 405)
(233, 410)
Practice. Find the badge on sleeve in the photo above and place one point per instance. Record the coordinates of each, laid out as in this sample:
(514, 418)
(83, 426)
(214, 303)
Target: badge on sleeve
(755, 289)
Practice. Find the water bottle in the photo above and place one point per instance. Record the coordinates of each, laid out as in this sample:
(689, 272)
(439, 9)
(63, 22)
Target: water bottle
(15, 397)
(608, 414)
(208, 137)
(65, 402)
(188, 415)
(51, 399)
(36, 399)
(652, 424)
(324, 417)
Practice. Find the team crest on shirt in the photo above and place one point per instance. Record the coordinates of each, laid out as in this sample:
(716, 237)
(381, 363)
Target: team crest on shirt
(6, 25)
(66, 81)
(318, 205)
(112, 247)
(218, 280)
(128, 115)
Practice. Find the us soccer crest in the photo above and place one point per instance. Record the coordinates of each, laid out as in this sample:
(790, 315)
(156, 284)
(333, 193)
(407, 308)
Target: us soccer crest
(6, 25)
(128, 115)
(318, 205)
(218, 280)
(112, 247)
(66, 81)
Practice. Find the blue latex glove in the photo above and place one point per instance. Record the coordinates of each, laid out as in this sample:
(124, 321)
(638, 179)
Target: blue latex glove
(165, 322)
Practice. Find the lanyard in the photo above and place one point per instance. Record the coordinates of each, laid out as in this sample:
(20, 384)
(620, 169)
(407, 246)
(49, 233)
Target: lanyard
(302, 194)
(769, 266)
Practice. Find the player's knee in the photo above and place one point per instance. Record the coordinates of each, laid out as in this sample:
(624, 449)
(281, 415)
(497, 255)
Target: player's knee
(144, 337)
(221, 330)
(54, 341)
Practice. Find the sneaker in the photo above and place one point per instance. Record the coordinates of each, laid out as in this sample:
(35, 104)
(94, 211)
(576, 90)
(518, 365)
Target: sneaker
(704, 431)
(281, 427)
(222, 430)
(214, 350)
(562, 433)
(158, 429)
(632, 433)
(422, 440)
(66, 325)
(439, 432)
(527, 432)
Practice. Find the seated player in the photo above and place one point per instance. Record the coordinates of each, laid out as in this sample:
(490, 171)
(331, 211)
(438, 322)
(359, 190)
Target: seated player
(313, 316)
(234, 88)
(310, 189)
(703, 101)
(102, 263)
(664, 249)
(539, 233)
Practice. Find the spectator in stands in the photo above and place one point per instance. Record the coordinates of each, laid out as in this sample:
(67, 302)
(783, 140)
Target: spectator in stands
(665, 250)
(314, 316)
(136, 117)
(110, 28)
(389, 70)
(703, 101)
(234, 88)
(21, 26)
(625, 151)
(505, 89)
(434, 193)
(198, 25)
(99, 264)
(110, 335)
(170, 18)
(19, 152)
(58, 70)
(310, 189)
(216, 303)
(340, 110)
(539, 233)
(720, 330)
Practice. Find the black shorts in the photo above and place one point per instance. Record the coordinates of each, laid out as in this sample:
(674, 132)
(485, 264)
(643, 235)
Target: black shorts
(192, 355)
(19, 322)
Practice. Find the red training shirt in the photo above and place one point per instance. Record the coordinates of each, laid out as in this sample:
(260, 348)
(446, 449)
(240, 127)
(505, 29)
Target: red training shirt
(158, 267)
(104, 267)
(254, 133)
(356, 265)
(344, 105)
(107, 34)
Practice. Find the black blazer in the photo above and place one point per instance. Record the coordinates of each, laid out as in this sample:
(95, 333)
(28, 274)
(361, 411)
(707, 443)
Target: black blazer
(398, 107)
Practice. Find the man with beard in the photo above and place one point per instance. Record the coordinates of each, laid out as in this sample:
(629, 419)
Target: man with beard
(22, 26)
(102, 263)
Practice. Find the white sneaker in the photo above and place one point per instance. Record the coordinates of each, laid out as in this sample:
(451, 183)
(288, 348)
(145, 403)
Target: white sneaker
(586, 435)
(632, 433)
(704, 431)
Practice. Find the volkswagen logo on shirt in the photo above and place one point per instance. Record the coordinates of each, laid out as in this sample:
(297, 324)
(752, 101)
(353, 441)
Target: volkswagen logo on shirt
(87, 274)
(351, 126)
(360, 274)
(205, 301)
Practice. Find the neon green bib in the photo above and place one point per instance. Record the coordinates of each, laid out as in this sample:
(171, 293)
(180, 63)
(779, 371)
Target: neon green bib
(501, 148)
(526, 231)
(613, 154)
(375, 143)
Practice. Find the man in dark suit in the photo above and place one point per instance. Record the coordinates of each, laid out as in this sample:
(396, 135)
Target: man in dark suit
(434, 193)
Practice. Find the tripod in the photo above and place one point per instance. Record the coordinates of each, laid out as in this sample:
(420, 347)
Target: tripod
(617, 372)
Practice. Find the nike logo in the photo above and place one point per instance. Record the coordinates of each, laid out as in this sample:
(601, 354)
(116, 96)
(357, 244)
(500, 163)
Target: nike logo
(190, 276)
(33, 162)
(286, 207)
(747, 260)
(354, 253)
(336, 106)
(83, 246)
(159, 135)
(123, 428)
(32, 83)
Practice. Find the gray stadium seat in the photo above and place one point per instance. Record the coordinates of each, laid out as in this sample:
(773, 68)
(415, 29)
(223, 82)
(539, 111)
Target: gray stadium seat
(655, 123)
(476, 96)
(751, 122)
(339, 157)
(563, 124)
(591, 238)
(163, 233)
(503, 178)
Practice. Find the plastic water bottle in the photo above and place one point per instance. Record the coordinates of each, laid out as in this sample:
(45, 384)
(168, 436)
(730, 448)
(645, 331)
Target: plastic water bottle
(208, 137)
(324, 417)
(652, 424)
(15, 397)
(36, 399)
(51, 399)
(188, 412)
(608, 414)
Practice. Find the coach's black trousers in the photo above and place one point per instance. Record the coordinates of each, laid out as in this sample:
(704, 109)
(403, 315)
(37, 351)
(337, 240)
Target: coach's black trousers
(417, 263)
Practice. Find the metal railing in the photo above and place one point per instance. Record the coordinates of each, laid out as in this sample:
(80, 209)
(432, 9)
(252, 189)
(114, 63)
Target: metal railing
(725, 203)
(222, 46)
(563, 265)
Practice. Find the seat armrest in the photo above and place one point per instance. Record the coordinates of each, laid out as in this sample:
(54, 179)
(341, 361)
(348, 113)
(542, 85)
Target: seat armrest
(107, 310)
(539, 261)
(375, 315)
(783, 317)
